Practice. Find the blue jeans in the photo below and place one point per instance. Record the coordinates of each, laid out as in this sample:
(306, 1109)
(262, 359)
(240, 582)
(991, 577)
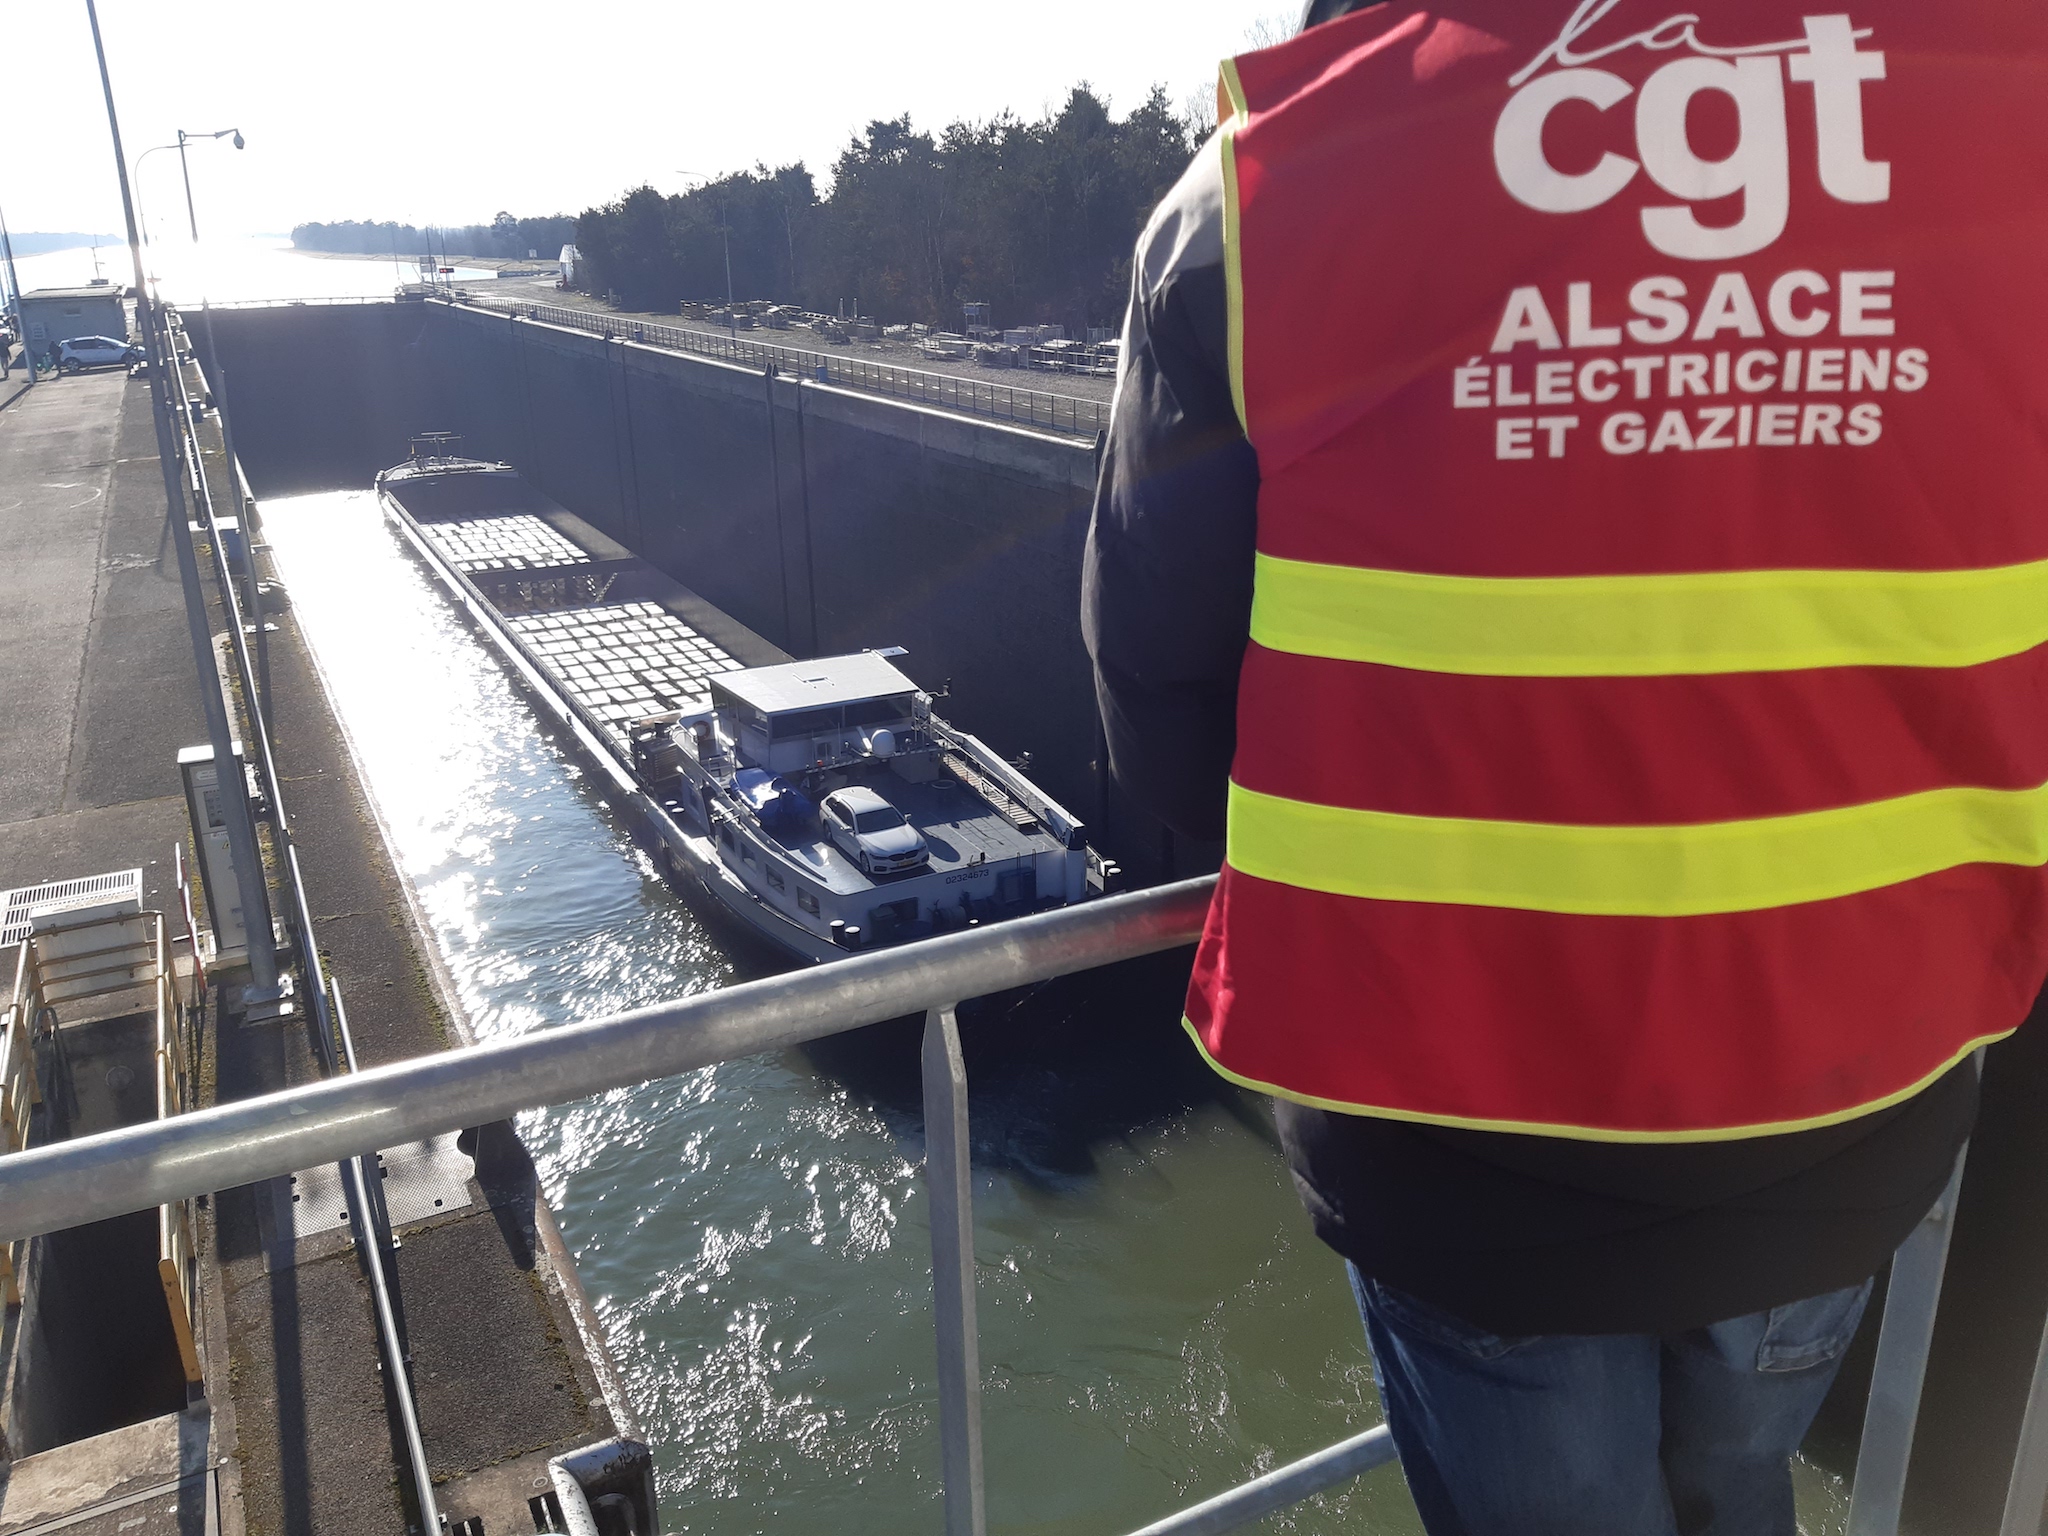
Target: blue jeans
(1604, 1434)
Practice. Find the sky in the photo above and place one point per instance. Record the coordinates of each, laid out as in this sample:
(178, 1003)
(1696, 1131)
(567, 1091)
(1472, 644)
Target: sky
(421, 113)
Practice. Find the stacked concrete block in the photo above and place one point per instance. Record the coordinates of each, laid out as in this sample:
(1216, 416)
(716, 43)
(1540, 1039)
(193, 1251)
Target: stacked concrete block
(521, 542)
(625, 661)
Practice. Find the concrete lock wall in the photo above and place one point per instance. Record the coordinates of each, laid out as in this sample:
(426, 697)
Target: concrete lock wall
(321, 396)
(824, 519)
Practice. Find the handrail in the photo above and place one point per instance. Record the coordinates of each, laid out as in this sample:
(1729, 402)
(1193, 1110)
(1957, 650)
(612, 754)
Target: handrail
(1070, 414)
(347, 1118)
(305, 301)
(69, 1183)
(366, 1196)
(371, 1222)
(1298, 1480)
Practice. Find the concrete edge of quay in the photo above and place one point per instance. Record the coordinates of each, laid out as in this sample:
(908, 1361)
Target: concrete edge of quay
(610, 1380)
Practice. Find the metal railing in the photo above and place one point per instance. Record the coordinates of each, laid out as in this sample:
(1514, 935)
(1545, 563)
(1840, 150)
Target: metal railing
(304, 301)
(221, 1146)
(344, 1118)
(1069, 415)
(970, 397)
(177, 1255)
(347, 1117)
(368, 1221)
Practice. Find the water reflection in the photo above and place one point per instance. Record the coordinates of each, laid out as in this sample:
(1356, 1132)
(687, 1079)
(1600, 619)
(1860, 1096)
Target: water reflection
(1156, 1320)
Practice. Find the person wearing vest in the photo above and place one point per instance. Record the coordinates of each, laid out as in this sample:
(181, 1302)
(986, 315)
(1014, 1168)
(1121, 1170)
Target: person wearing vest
(1575, 528)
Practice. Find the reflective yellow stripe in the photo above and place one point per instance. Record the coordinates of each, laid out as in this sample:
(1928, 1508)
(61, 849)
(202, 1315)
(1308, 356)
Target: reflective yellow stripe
(1233, 263)
(1233, 87)
(1594, 1132)
(1674, 871)
(1649, 626)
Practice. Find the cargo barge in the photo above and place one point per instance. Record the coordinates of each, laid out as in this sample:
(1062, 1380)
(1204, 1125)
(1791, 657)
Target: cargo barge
(820, 804)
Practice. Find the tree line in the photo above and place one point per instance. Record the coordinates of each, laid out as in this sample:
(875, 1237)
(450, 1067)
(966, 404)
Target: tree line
(1036, 218)
(504, 236)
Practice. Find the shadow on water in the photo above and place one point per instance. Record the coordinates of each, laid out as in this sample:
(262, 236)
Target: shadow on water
(1053, 1074)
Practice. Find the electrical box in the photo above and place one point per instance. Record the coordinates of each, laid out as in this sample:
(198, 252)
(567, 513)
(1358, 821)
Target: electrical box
(197, 770)
(232, 544)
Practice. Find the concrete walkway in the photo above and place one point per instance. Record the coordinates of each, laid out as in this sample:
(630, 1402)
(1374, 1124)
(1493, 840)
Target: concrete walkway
(97, 691)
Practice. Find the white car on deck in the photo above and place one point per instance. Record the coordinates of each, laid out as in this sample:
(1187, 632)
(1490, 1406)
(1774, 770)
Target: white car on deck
(78, 353)
(871, 832)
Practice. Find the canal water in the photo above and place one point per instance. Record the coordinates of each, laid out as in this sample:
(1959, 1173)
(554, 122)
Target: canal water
(1157, 1320)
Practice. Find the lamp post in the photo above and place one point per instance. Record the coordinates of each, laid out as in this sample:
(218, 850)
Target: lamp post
(789, 234)
(185, 138)
(192, 220)
(185, 170)
(14, 302)
(216, 379)
(725, 233)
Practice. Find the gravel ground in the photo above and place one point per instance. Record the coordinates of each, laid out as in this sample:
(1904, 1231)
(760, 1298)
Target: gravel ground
(1077, 385)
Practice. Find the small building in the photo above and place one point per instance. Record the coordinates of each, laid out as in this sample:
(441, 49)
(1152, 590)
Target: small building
(52, 315)
(796, 716)
(569, 258)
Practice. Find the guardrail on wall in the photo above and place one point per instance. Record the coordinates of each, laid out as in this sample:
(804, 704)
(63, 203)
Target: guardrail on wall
(971, 397)
(177, 1261)
(304, 301)
(1066, 414)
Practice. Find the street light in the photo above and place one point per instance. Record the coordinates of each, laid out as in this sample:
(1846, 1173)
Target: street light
(14, 303)
(192, 218)
(216, 381)
(725, 231)
(185, 168)
(183, 139)
(215, 376)
(241, 825)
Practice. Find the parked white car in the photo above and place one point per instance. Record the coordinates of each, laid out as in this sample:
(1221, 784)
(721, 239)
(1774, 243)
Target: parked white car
(871, 832)
(83, 352)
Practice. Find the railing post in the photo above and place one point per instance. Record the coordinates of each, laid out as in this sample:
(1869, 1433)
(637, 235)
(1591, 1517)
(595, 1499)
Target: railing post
(952, 1201)
(2027, 1490)
(1911, 1301)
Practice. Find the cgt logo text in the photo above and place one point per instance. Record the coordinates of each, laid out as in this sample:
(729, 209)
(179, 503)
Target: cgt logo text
(1751, 75)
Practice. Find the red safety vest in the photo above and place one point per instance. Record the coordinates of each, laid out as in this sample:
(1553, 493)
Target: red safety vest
(1644, 732)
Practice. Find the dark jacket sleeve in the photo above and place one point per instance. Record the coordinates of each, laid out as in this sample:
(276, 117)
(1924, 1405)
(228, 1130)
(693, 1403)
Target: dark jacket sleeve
(1167, 579)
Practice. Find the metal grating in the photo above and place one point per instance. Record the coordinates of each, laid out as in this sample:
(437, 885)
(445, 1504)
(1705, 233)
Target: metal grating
(421, 1179)
(19, 908)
